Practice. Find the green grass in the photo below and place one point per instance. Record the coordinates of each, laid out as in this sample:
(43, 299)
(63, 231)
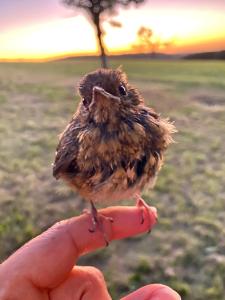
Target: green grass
(186, 248)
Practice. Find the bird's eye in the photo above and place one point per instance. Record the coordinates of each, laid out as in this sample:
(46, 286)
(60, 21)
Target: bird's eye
(122, 90)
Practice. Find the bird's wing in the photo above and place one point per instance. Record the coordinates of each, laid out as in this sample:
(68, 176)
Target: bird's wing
(66, 151)
(159, 131)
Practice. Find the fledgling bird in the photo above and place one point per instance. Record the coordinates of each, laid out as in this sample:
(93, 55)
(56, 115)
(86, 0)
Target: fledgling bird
(113, 146)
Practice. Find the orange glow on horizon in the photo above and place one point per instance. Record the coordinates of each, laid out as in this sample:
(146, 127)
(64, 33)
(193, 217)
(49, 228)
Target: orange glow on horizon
(189, 31)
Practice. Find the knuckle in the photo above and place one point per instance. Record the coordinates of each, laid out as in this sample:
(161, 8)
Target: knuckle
(94, 275)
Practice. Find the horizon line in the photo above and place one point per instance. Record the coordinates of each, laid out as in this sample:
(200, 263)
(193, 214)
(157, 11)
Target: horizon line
(93, 55)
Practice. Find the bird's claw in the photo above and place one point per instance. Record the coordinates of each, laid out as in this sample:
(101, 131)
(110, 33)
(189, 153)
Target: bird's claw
(98, 222)
(145, 211)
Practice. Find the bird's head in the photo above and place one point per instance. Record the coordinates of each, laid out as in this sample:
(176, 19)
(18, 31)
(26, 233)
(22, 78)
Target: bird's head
(105, 92)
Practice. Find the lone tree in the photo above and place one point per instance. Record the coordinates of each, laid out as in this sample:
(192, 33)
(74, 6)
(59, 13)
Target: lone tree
(95, 10)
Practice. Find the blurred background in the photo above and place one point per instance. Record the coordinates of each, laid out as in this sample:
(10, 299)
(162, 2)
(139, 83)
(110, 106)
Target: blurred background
(174, 52)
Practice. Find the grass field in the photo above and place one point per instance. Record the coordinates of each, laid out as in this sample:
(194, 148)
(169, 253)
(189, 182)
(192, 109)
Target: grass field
(186, 250)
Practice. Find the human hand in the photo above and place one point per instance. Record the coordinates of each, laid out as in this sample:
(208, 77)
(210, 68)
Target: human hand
(44, 267)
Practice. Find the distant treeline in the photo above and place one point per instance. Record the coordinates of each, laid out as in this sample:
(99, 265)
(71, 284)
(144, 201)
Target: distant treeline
(129, 56)
(152, 56)
(207, 55)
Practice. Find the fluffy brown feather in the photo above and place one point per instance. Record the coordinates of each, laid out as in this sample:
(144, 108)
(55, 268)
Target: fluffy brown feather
(113, 146)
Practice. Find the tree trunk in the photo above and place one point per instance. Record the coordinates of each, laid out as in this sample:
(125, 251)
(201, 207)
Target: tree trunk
(100, 43)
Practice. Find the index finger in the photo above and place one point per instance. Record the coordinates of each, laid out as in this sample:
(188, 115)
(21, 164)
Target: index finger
(48, 259)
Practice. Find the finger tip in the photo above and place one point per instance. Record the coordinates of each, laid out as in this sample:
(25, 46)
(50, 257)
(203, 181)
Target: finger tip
(129, 221)
(162, 292)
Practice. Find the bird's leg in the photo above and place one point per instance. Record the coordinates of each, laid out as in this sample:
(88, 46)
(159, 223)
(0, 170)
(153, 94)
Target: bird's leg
(94, 217)
(97, 221)
(144, 209)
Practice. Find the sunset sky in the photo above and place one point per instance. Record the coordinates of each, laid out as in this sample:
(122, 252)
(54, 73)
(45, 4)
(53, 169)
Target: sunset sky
(31, 29)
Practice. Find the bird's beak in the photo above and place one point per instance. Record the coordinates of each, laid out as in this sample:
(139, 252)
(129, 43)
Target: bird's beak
(101, 97)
